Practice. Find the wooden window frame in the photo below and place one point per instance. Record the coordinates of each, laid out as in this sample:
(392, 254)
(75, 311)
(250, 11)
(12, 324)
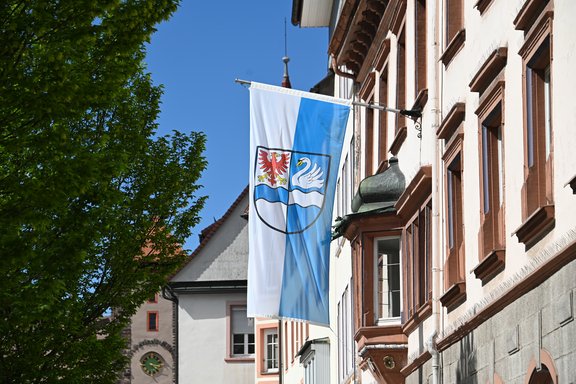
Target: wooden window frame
(454, 267)
(454, 32)
(383, 116)
(369, 141)
(156, 315)
(400, 79)
(535, 19)
(492, 234)
(420, 36)
(415, 204)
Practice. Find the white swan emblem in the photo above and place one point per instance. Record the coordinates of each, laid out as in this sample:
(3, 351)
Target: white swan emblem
(305, 179)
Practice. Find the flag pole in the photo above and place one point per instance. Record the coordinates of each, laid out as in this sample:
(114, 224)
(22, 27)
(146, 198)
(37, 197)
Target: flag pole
(414, 113)
(243, 82)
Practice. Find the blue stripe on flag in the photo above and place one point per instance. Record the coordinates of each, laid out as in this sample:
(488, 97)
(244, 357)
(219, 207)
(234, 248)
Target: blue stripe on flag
(320, 129)
(272, 195)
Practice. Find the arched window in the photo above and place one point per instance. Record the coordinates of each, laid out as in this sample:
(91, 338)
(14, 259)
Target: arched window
(541, 377)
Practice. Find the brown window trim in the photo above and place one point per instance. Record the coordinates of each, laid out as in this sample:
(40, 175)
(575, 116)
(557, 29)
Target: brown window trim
(455, 261)
(382, 55)
(369, 140)
(536, 226)
(454, 296)
(420, 46)
(367, 87)
(398, 140)
(423, 312)
(367, 277)
(572, 184)
(382, 117)
(482, 5)
(401, 79)
(491, 236)
(489, 70)
(415, 193)
(529, 13)
(537, 190)
(490, 266)
(157, 322)
(453, 47)
(453, 119)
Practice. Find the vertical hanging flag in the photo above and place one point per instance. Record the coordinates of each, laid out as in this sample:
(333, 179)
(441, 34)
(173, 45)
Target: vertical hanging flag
(295, 146)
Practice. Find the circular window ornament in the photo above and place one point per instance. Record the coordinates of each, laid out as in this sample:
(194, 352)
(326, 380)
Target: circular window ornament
(151, 363)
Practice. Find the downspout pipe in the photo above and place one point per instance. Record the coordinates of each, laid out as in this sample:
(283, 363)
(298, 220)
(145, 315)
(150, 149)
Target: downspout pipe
(337, 69)
(169, 294)
(435, 111)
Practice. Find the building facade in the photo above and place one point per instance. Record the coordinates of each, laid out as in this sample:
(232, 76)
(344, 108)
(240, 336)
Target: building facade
(215, 338)
(455, 223)
(150, 341)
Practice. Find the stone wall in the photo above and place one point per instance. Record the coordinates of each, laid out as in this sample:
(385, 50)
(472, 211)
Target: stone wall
(510, 342)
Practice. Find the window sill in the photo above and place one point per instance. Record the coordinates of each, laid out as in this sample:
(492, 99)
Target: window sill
(421, 314)
(572, 184)
(482, 5)
(453, 47)
(490, 266)
(536, 226)
(454, 296)
(398, 141)
(239, 359)
(270, 373)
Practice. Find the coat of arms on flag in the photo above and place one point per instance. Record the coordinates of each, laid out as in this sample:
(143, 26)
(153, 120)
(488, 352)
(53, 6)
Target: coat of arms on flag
(296, 141)
(287, 180)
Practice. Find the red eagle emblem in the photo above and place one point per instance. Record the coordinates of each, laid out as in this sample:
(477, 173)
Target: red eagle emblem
(274, 165)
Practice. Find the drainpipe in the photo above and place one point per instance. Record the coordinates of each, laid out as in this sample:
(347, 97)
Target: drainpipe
(337, 70)
(169, 294)
(437, 249)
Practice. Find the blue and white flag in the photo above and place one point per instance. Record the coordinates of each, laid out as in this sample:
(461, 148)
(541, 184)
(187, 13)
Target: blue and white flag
(295, 145)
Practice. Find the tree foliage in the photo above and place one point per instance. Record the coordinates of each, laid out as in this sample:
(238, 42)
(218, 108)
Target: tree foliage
(93, 206)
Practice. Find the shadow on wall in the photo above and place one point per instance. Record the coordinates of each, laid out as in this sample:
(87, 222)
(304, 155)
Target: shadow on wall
(466, 368)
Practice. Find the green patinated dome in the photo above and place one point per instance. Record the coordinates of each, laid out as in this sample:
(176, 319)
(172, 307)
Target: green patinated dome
(380, 191)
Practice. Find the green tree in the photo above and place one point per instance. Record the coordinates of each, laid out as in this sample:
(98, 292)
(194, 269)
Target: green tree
(93, 206)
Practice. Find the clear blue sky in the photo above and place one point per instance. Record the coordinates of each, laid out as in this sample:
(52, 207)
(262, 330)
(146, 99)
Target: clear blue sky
(199, 52)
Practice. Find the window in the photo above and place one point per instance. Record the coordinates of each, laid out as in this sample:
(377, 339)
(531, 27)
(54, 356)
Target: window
(537, 191)
(541, 377)
(369, 144)
(241, 332)
(152, 321)
(454, 217)
(271, 350)
(492, 153)
(401, 81)
(383, 117)
(420, 44)
(492, 234)
(454, 18)
(418, 237)
(345, 343)
(454, 275)
(455, 35)
(388, 295)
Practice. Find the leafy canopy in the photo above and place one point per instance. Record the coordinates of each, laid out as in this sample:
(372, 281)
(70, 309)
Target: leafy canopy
(93, 206)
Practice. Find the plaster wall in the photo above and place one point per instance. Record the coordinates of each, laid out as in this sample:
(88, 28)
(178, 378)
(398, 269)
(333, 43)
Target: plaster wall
(203, 336)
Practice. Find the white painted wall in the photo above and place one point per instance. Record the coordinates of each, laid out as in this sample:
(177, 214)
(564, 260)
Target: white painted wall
(202, 341)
